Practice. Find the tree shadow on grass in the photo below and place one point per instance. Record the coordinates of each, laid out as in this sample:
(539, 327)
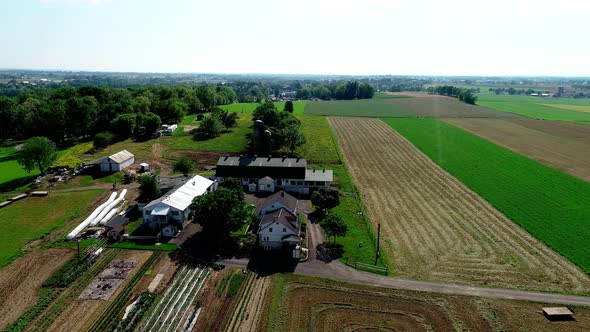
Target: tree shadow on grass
(327, 252)
(17, 183)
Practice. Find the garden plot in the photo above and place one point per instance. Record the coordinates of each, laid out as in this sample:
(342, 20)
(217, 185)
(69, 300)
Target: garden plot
(108, 281)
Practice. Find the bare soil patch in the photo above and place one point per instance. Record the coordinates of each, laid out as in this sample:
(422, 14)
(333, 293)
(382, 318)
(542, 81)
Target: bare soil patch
(434, 106)
(21, 280)
(187, 128)
(321, 305)
(202, 159)
(80, 314)
(561, 145)
(434, 227)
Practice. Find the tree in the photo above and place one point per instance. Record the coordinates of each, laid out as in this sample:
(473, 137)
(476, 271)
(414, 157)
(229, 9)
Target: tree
(149, 122)
(325, 199)
(289, 106)
(183, 165)
(228, 119)
(209, 128)
(102, 139)
(124, 124)
(290, 138)
(37, 152)
(219, 213)
(148, 187)
(235, 185)
(334, 226)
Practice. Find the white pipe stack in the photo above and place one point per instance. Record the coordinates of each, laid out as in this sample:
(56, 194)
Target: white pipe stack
(91, 217)
(108, 208)
(109, 216)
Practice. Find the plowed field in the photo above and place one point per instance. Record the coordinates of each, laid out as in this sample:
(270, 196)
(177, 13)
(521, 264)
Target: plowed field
(434, 227)
(311, 304)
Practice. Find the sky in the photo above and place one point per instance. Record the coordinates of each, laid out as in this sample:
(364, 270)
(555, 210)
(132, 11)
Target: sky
(356, 37)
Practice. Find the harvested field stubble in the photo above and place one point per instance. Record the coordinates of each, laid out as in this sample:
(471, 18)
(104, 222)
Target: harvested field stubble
(432, 106)
(434, 227)
(314, 304)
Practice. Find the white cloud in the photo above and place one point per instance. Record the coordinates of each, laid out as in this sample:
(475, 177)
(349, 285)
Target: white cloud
(75, 2)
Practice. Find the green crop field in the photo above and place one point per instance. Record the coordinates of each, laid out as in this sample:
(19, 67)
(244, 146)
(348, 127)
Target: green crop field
(298, 106)
(378, 107)
(32, 218)
(320, 145)
(563, 109)
(551, 205)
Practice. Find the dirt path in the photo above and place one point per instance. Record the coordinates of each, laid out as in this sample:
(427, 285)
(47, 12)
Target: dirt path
(564, 146)
(21, 280)
(436, 228)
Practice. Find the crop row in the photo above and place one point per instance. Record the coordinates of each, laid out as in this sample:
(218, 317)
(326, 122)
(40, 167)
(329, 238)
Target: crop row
(551, 205)
(175, 304)
(107, 320)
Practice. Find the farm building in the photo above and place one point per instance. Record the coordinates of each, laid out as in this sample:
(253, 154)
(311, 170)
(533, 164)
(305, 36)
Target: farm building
(173, 208)
(279, 226)
(116, 162)
(268, 174)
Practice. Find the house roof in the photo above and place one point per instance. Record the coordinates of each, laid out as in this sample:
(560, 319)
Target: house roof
(268, 178)
(319, 175)
(181, 197)
(283, 217)
(121, 156)
(160, 211)
(281, 197)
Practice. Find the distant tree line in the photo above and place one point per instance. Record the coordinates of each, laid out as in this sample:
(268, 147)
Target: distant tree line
(512, 91)
(464, 95)
(346, 91)
(86, 111)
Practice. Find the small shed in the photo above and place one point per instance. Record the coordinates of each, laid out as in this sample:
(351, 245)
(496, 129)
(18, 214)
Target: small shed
(117, 221)
(169, 231)
(116, 162)
(266, 184)
(116, 233)
(144, 167)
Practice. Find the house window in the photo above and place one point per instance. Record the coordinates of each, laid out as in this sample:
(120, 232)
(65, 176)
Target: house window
(148, 211)
(299, 183)
(270, 230)
(284, 230)
(175, 213)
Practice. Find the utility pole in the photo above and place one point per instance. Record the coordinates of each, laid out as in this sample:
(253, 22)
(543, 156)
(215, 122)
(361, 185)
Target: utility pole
(378, 238)
(78, 242)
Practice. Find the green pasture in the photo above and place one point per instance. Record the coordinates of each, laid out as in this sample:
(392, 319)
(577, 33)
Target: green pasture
(551, 205)
(320, 145)
(32, 218)
(298, 106)
(378, 107)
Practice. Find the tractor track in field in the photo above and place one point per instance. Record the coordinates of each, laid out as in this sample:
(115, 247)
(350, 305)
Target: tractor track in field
(434, 227)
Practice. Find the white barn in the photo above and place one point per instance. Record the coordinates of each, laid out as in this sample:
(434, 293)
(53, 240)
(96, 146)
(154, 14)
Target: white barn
(170, 212)
(117, 162)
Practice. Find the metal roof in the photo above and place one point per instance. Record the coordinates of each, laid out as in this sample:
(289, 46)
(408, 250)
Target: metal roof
(281, 197)
(183, 196)
(319, 175)
(121, 156)
(283, 217)
(261, 162)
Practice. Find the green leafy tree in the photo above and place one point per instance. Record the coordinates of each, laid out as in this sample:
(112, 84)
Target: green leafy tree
(325, 199)
(290, 138)
(289, 106)
(124, 124)
(148, 187)
(37, 152)
(103, 139)
(210, 127)
(334, 226)
(183, 165)
(219, 213)
(228, 119)
(149, 122)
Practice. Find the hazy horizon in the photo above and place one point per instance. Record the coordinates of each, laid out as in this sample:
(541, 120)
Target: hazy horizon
(326, 37)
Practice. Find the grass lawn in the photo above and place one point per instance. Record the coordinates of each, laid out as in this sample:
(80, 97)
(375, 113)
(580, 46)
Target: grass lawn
(232, 141)
(551, 205)
(298, 106)
(377, 107)
(320, 145)
(360, 242)
(34, 217)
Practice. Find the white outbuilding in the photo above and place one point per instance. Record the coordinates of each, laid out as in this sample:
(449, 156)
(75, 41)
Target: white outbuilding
(173, 208)
(117, 162)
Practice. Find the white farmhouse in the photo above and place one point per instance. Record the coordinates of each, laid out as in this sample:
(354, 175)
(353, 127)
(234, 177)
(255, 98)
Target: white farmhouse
(117, 162)
(169, 213)
(279, 225)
